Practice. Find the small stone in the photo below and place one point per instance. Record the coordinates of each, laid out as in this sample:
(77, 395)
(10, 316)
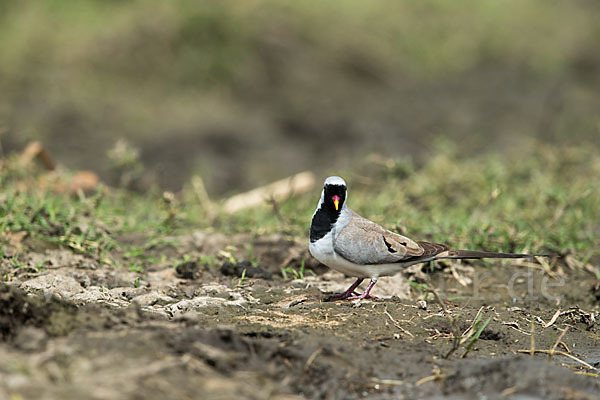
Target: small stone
(153, 299)
(237, 270)
(187, 270)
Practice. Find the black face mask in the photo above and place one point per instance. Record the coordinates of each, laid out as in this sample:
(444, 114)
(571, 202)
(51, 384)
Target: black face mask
(334, 194)
(328, 213)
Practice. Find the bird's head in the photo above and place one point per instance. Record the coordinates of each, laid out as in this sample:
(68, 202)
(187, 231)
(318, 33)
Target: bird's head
(334, 194)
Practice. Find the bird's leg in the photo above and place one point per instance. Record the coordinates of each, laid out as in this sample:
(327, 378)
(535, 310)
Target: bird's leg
(347, 293)
(366, 294)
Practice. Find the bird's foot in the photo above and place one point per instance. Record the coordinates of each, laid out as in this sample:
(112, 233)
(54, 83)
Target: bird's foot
(347, 295)
(344, 295)
(340, 296)
(362, 296)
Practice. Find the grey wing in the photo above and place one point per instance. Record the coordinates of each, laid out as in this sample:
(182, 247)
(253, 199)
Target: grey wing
(366, 243)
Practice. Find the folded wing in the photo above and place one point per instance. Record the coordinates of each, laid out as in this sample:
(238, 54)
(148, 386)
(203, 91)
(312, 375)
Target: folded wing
(365, 243)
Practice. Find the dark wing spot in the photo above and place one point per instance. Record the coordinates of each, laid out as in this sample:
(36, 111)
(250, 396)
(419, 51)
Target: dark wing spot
(403, 243)
(389, 246)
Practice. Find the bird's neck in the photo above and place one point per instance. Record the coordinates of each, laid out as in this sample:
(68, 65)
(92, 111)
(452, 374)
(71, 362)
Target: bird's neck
(322, 222)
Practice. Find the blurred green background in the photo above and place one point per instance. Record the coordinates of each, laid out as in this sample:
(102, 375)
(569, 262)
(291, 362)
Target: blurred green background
(246, 92)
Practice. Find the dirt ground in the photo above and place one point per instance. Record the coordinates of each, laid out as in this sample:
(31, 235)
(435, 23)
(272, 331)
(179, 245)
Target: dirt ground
(74, 328)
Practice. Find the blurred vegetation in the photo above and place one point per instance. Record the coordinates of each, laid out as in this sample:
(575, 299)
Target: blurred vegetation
(547, 203)
(244, 93)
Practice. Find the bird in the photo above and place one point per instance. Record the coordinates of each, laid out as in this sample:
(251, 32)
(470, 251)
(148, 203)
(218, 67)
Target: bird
(346, 242)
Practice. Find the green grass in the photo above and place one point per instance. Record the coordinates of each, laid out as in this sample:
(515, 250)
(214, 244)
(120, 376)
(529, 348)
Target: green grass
(544, 203)
(88, 225)
(291, 273)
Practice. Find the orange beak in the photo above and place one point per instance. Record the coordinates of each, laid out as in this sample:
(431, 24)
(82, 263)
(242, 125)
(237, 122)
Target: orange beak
(336, 202)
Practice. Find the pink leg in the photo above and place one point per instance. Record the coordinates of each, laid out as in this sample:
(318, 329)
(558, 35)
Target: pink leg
(366, 294)
(349, 292)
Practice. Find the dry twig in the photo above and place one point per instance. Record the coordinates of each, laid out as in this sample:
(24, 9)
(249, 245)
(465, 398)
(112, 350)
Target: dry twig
(36, 149)
(561, 353)
(532, 351)
(562, 334)
(553, 319)
(393, 382)
(553, 351)
(396, 324)
(282, 189)
(470, 330)
(311, 359)
(203, 197)
(437, 374)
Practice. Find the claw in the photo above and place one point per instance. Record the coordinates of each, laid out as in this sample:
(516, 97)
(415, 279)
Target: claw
(347, 293)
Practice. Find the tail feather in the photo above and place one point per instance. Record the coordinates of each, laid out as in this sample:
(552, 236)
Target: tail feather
(437, 251)
(473, 254)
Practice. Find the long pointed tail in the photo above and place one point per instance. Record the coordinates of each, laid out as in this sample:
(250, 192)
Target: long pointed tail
(473, 254)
